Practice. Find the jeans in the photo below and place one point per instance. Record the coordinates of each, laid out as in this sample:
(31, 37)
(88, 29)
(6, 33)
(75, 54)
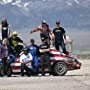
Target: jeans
(45, 62)
(35, 65)
(62, 45)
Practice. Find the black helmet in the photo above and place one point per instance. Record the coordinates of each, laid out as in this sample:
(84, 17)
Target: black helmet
(57, 22)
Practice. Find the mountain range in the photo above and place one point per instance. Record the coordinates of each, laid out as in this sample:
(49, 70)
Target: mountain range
(28, 13)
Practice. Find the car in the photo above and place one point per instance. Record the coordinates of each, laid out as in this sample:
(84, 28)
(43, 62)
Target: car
(60, 63)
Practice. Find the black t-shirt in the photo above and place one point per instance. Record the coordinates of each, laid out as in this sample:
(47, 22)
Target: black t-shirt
(44, 35)
(58, 32)
(14, 42)
(4, 24)
(4, 29)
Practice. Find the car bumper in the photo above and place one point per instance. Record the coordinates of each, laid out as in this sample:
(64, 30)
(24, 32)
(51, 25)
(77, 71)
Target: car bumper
(74, 65)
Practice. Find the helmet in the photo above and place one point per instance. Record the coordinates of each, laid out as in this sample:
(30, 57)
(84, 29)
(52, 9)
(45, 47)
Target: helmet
(15, 33)
(32, 40)
(3, 19)
(57, 22)
(44, 22)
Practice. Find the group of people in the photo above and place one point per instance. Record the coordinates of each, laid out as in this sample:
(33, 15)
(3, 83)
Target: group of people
(29, 58)
(58, 36)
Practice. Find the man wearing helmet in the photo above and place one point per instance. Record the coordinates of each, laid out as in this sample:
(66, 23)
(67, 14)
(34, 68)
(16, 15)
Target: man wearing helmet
(14, 41)
(59, 33)
(45, 32)
(5, 28)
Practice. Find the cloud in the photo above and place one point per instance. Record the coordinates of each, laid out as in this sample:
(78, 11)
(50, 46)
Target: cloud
(69, 3)
(26, 4)
(17, 3)
(76, 1)
(7, 1)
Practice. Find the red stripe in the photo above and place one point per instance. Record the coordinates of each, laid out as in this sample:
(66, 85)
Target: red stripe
(17, 62)
(53, 60)
(15, 67)
(58, 55)
(54, 50)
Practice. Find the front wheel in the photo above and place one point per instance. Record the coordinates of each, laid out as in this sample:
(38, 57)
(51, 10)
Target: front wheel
(59, 69)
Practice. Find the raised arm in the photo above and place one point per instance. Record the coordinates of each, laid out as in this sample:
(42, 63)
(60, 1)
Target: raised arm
(35, 30)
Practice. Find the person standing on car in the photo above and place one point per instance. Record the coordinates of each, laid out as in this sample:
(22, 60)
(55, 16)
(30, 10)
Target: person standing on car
(60, 35)
(34, 50)
(5, 31)
(26, 63)
(45, 32)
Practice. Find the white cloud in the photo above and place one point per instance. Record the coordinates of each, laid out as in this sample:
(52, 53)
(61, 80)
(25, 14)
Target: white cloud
(17, 3)
(76, 1)
(26, 4)
(7, 1)
(69, 3)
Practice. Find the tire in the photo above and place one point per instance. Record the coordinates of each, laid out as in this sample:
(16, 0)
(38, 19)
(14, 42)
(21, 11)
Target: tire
(9, 72)
(59, 69)
(1, 71)
(7, 69)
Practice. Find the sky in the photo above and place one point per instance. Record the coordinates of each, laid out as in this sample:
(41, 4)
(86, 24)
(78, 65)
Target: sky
(24, 15)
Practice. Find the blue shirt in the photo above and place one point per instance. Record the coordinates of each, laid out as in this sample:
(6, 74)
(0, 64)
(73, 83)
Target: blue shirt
(34, 49)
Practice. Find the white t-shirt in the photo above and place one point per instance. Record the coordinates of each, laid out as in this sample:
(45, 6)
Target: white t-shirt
(26, 58)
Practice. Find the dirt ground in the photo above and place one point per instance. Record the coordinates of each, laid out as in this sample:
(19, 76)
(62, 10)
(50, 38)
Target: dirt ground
(73, 80)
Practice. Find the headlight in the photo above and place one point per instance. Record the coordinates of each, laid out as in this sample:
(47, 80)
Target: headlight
(70, 59)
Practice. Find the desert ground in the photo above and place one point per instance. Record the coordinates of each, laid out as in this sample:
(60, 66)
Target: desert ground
(73, 80)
